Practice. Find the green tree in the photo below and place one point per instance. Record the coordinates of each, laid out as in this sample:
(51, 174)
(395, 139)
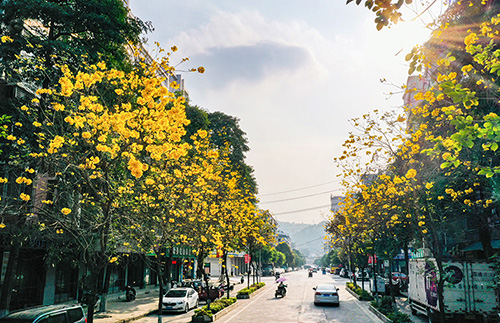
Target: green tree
(286, 249)
(225, 130)
(66, 32)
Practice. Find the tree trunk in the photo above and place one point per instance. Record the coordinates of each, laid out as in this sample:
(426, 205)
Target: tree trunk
(160, 283)
(363, 278)
(8, 281)
(440, 289)
(485, 237)
(407, 257)
(92, 295)
(374, 276)
(105, 289)
(391, 283)
(224, 261)
(248, 275)
(168, 270)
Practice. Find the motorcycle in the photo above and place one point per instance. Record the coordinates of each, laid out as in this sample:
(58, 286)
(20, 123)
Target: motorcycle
(310, 274)
(223, 287)
(130, 293)
(280, 291)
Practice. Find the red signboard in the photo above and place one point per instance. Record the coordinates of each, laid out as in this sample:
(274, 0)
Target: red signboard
(247, 258)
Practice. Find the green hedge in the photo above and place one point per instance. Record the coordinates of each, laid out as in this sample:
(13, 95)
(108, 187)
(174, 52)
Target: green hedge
(386, 307)
(363, 294)
(215, 306)
(251, 289)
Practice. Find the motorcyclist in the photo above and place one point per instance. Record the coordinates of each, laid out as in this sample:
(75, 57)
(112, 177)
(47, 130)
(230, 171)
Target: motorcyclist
(282, 288)
(130, 293)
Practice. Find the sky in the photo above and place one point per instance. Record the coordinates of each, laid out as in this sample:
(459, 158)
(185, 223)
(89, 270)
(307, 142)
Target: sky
(294, 73)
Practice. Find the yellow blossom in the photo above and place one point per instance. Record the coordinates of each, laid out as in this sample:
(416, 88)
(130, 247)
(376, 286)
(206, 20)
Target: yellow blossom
(411, 173)
(6, 39)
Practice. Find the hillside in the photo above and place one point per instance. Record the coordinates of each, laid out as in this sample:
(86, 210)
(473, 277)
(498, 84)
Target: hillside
(307, 238)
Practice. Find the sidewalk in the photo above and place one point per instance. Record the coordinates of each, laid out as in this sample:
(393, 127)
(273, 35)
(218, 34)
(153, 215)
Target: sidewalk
(119, 310)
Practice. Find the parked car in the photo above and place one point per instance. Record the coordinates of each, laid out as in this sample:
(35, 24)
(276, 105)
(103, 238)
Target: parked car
(326, 294)
(180, 299)
(45, 314)
(337, 271)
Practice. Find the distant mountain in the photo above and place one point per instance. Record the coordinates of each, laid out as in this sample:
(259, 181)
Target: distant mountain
(307, 238)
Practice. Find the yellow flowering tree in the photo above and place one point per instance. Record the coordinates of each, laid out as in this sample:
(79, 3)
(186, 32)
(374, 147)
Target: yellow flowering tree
(453, 124)
(97, 132)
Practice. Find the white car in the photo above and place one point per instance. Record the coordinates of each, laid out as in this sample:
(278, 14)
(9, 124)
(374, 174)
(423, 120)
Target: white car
(326, 294)
(180, 299)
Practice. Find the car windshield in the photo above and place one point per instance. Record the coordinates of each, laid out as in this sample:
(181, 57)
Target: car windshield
(176, 293)
(326, 287)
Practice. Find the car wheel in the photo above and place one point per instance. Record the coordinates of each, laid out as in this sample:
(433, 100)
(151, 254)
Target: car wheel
(186, 309)
(196, 305)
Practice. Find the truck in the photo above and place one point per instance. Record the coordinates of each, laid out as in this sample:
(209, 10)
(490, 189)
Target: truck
(469, 291)
(268, 269)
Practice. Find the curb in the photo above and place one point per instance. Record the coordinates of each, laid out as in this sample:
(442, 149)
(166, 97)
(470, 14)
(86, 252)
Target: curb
(217, 315)
(231, 307)
(352, 293)
(248, 296)
(379, 315)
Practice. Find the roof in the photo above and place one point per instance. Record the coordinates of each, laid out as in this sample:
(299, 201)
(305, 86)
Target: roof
(477, 246)
(34, 312)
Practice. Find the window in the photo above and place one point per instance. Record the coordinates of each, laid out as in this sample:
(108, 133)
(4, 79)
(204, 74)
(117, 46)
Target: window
(75, 315)
(57, 318)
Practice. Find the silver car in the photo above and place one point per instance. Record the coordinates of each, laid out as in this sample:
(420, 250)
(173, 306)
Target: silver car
(180, 299)
(326, 294)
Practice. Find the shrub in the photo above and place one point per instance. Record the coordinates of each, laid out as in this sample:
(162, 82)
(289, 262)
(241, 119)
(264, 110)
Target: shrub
(251, 289)
(386, 307)
(247, 291)
(258, 285)
(215, 307)
(363, 294)
(398, 317)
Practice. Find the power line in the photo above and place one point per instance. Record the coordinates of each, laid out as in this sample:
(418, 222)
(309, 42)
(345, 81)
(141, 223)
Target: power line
(299, 189)
(303, 243)
(297, 211)
(298, 197)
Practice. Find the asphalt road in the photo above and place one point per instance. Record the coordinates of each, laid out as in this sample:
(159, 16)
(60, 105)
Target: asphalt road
(296, 306)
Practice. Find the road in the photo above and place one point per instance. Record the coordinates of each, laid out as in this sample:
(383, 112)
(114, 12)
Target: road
(297, 306)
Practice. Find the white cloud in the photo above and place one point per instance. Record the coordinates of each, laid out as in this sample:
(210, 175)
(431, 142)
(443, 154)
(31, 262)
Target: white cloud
(294, 78)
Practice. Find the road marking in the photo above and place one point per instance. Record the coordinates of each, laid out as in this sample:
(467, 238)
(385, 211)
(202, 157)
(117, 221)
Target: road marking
(244, 308)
